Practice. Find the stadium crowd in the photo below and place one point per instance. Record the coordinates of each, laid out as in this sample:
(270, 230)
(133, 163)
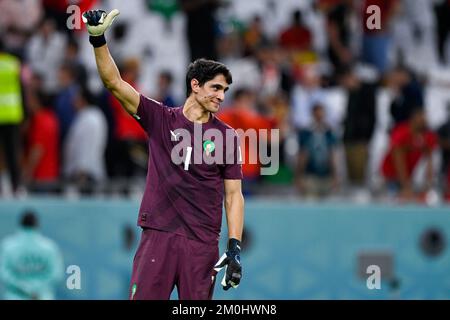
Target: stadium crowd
(350, 98)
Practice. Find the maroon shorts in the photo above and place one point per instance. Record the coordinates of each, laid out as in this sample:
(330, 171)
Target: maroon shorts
(164, 260)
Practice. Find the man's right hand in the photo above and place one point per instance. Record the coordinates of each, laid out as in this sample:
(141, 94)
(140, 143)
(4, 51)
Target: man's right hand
(97, 21)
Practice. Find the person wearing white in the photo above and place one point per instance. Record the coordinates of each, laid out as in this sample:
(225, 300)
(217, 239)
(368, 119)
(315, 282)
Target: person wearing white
(45, 52)
(305, 95)
(86, 142)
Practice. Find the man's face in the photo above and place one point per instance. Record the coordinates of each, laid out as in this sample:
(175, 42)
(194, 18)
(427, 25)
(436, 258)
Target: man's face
(419, 120)
(212, 93)
(318, 113)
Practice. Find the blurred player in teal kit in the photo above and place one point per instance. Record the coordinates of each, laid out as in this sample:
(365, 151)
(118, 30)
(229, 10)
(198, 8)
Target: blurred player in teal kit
(30, 264)
(181, 210)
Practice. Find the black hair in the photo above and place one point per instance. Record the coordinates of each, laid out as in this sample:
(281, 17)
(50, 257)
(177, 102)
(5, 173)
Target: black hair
(242, 91)
(205, 70)
(87, 95)
(74, 44)
(297, 17)
(45, 99)
(317, 106)
(166, 74)
(70, 68)
(29, 219)
(415, 110)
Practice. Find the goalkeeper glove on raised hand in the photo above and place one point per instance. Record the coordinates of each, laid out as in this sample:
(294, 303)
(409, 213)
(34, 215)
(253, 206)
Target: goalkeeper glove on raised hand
(97, 21)
(231, 260)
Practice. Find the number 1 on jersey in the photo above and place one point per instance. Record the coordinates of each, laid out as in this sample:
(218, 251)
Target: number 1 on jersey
(188, 158)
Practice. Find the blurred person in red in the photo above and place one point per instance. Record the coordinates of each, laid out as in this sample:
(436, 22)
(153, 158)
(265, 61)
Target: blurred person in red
(129, 155)
(242, 114)
(297, 36)
(41, 167)
(410, 142)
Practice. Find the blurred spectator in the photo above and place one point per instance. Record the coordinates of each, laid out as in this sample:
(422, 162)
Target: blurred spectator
(200, 27)
(444, 142)
(275, 74)
(14, 27)
(297, 36)
(72, 57)
(376, 42)
(11, 114)
(410, 142)
(414, 39)
(129, 156)
(243, 115)
(164, 93)
(41, 169)
(359, 125)
(277, 107)
(254, 37)
(57, 10)
(305, 95)
(316, 174)
(339, 32)
(64, 100)
(13, 11)
(407, 91)
(31, 265)
(45, 53)
(442, 12)
(85, 144)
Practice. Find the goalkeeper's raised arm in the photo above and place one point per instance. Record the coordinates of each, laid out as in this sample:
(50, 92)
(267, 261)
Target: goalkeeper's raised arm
(97, 21)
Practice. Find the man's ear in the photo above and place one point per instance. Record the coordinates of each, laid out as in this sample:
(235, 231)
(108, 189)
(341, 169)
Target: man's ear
(195, 85)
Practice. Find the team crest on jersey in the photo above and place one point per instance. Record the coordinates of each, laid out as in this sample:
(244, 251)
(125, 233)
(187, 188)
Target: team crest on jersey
(208, 147)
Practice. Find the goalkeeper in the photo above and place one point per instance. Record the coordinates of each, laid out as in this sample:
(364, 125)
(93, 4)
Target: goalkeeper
(181, 209)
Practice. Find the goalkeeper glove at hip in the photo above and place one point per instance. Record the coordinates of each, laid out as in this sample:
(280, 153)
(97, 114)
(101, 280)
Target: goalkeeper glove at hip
(97, 21)
(231, 260)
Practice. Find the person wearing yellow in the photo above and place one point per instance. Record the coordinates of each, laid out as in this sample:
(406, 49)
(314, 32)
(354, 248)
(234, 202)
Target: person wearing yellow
(11, 114)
